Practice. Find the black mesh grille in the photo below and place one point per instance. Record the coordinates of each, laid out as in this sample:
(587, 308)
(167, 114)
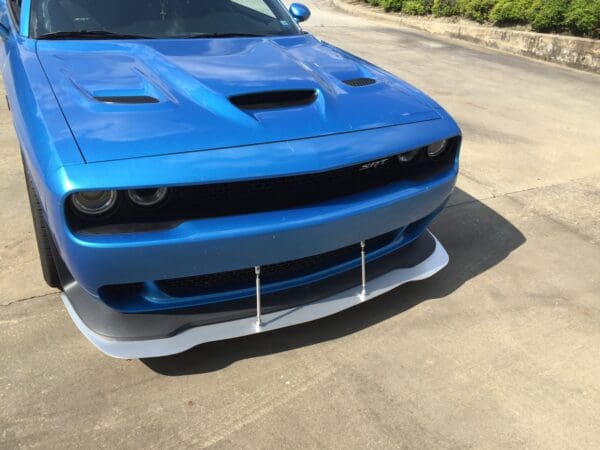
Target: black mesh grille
(358, 82)
(239, 279)
(121, 292)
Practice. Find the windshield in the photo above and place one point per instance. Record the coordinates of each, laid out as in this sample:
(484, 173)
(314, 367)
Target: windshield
(106, 19)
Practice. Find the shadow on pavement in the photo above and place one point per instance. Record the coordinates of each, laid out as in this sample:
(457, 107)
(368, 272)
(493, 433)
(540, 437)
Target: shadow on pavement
(476, 238)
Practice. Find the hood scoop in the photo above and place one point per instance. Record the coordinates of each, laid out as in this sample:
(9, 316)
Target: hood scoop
(144, 98)
(274, 99)
(359, 82)
(127, 99)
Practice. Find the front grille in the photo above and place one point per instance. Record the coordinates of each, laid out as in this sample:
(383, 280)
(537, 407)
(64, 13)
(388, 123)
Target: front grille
(284, 192)
(245, 279)
(270, 194)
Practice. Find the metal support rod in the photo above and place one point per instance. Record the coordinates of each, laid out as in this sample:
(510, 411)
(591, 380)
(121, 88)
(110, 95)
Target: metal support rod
(363, 261)
(258, 312)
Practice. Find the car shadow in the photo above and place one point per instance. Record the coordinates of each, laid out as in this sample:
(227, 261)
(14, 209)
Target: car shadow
(476, 238)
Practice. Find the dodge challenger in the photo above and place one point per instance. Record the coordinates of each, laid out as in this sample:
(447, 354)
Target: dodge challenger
(201, 170)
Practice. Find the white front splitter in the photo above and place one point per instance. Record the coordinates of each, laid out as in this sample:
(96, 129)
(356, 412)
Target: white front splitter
(133, 349)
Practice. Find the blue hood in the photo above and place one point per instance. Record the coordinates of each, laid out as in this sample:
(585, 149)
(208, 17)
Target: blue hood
(181, 92)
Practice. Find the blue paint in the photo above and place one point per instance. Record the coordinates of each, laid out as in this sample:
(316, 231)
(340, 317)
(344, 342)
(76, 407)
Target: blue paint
(194, 135)
(193, 80)
(215, 245)
(299, 12)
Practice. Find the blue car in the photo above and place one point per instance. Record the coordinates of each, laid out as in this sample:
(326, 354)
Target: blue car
(200, 170)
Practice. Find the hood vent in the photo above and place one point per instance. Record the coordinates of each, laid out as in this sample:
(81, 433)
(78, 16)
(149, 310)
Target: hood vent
(359, 82)
(274, 99)
(127, 99)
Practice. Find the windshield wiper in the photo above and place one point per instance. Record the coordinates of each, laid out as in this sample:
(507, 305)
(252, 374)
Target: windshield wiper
(219, 35)
(91, 34)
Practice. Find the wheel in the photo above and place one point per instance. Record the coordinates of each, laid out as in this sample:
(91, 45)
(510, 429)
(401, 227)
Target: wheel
(42, 236)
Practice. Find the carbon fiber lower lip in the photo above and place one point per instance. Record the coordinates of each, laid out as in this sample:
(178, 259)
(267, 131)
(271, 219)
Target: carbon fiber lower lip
(151, 335)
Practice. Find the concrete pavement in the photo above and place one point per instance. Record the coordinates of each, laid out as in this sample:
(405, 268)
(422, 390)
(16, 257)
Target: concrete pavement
(501, 349)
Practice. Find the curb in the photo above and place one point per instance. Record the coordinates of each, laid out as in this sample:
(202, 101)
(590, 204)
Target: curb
(575, 52)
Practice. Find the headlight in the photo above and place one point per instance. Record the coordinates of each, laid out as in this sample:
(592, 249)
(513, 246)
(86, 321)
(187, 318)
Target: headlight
(94, 203)
(436, 149)
(148, 197)
(408, 157)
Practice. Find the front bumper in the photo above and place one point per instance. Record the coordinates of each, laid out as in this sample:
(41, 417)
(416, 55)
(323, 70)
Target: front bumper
(160, 334)
(238, 242)
(219, 244)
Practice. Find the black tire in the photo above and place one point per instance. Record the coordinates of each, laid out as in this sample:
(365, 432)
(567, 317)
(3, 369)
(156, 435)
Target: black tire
(42, 236)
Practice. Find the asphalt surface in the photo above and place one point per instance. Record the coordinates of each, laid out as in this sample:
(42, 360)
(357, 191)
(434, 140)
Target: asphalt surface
(501, 349)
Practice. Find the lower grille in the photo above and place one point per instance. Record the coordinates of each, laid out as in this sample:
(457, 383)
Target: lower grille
(243, 279)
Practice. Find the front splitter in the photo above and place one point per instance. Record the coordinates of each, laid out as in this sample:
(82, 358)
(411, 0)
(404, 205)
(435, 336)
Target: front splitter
(191, 337)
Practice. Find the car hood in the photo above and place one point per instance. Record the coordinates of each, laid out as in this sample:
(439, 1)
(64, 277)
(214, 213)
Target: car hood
(128, 99)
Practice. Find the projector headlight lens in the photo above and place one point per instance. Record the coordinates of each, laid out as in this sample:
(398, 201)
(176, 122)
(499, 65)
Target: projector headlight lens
(94, 203)
(436, 149)
(408, 157)
(148, 197)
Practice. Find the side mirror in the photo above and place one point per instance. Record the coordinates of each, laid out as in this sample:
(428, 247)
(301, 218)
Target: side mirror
(299, 12)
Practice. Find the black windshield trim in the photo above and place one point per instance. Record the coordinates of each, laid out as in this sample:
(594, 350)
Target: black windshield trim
(220, 35)
(90, 34)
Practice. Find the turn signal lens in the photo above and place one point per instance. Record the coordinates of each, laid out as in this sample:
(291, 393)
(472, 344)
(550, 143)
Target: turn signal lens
(436, 149)
(148, 197)
(94, 203)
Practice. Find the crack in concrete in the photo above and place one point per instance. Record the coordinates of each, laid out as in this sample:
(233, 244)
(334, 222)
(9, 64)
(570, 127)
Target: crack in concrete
(22, 300)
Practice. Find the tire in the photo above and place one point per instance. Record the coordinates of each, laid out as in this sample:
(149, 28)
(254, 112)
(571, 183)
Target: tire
(42, 236)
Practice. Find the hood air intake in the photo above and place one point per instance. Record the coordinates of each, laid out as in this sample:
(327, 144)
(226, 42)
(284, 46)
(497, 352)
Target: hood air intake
(127, 99)
(274, 99)
(359, 82)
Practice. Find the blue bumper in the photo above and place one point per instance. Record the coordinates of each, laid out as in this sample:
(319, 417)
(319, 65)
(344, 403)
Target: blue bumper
(231, 243)
(222, 244)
